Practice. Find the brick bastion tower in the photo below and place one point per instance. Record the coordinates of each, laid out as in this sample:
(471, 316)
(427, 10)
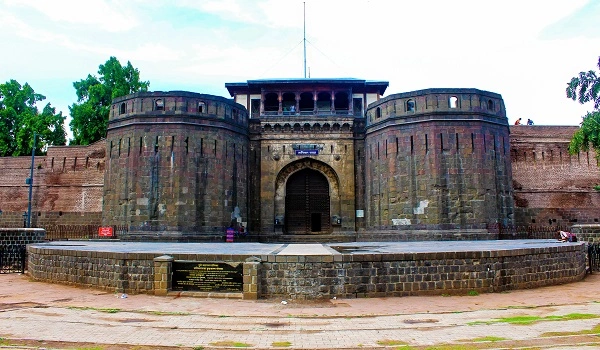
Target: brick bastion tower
(437, 165)
(176, 165)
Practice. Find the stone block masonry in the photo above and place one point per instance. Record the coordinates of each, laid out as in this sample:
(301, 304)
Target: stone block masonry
(11, 237)
(315, 271)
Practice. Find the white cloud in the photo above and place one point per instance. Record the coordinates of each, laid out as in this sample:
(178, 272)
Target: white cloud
(111, 16)
(496, 46)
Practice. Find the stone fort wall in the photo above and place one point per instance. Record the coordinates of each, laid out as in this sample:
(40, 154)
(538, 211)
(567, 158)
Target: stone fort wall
(67, 186)
(552, 186)
(438, 158)
(176, 162)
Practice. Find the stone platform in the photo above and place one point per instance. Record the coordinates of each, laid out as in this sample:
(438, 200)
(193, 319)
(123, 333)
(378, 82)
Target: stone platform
(313, 271)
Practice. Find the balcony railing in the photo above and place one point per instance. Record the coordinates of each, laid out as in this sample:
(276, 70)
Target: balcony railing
(306, 112)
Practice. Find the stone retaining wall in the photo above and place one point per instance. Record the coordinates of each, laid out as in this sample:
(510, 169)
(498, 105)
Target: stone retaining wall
(587, 233)
(10, 237)
(324, 276)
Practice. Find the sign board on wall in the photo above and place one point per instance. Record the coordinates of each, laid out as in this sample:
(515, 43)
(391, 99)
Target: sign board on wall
(207, 276)
(105, 231)
(312, 152)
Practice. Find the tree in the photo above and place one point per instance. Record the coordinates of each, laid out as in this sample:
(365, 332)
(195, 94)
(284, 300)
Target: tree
(586, 88)
(20, 118)
(94, 97)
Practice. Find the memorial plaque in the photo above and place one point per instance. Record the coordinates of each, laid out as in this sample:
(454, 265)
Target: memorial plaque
(207, 276)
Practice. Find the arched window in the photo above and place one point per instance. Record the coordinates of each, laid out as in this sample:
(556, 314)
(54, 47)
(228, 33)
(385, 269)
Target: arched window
(122, 108)
(306, 103)
(324, 102)
(288, 103)
(410, 106)
(378, 113)
(453, 102)
(341, 102)
(201, 107)
(490, 105)
(271, 102)
(159, 105)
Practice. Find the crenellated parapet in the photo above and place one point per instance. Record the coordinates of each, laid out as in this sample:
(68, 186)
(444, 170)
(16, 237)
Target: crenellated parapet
(433, 104)
(178, 106)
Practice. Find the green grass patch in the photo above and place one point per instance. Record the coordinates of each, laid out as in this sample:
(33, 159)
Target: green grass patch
(199, 347)
(281, 344)
(527, 320)
(390, 342)
(165, 313)
(473, 293)
(452, 347)
(595, 330)
(231, 344)
(107, 310)
(489, 338)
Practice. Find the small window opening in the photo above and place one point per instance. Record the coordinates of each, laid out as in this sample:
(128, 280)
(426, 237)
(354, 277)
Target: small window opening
(159, 105)
(457, 149)
(410, 106)
(412, 147)
(122, 108)
(490, 105)
(426, 144)
(453, 102)
(472, 142)
(378, 113)
(156, 145)
(386, 148)
(141, 145)
(201, 107)
(187, 145)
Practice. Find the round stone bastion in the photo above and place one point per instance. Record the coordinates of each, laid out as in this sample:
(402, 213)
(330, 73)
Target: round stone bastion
(308, 271)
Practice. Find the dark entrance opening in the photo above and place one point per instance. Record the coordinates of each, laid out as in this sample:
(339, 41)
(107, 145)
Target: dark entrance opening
(307, 203)
(315, 222)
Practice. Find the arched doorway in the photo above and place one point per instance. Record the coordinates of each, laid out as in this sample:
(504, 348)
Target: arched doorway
(307, 203)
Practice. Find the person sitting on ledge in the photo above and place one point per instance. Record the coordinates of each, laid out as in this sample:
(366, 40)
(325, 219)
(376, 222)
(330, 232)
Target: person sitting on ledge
(567, 237)
(518, 121)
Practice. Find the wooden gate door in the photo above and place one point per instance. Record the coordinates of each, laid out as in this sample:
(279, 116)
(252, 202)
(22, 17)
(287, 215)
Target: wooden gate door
(307, 203)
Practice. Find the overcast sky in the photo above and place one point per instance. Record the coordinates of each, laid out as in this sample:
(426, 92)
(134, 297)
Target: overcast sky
(525, 50)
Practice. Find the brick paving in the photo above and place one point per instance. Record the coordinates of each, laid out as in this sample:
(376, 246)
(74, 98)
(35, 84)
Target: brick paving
(50, 312)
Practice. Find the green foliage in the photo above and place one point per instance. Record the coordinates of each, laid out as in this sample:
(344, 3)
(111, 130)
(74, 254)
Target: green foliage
(585, 88)
(587, 135)
(94, 97)
(20, 118)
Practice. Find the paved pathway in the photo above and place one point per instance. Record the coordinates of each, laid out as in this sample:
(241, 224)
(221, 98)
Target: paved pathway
(48, 312)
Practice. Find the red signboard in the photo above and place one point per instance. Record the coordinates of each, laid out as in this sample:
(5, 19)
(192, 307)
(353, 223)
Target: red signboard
(105, 231)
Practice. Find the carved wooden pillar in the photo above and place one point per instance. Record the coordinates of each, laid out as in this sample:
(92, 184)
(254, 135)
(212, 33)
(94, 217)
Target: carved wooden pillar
(279, 101)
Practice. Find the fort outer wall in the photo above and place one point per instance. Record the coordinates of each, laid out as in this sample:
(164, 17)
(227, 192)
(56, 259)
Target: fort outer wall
(176, 166)
(437, 165)
(67, 187)
(551, 186)
(270, 272)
